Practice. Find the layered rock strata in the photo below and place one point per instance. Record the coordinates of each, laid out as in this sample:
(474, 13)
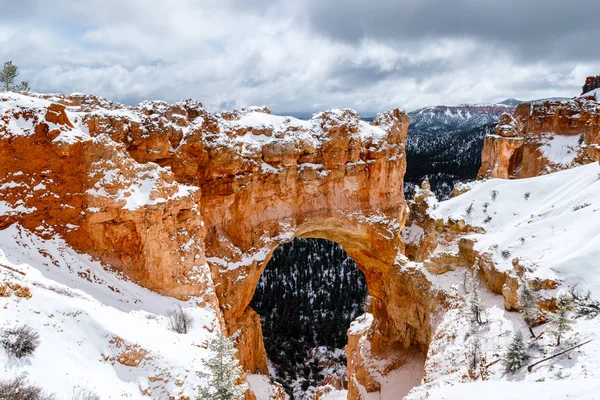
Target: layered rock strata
(543, 137)
(189, 203)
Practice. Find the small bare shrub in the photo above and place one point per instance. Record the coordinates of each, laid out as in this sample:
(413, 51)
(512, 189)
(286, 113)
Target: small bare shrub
(19, 389)
(469, 209)
(180, 321)
(580, 206)
(20, 341)
(505, 253)
(84, 394)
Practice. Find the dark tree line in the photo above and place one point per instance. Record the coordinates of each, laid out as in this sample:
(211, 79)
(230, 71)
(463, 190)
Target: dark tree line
(445, 157)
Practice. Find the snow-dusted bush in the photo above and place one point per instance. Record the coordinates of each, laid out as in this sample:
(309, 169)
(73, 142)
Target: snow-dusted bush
(7, 79)
(584, 304)
(19, 389)
(580, 206)
(20, 341)
(475, 350)
(180, 321)
(84, 394)
(516, 354)
(474, 302)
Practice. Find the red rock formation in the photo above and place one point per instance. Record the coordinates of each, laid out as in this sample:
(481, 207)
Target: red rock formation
(591, 83)
(170, 194)
(541, 138)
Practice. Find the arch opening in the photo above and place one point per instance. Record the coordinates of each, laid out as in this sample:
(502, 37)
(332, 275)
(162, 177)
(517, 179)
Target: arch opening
(308, 295)
(402, 301)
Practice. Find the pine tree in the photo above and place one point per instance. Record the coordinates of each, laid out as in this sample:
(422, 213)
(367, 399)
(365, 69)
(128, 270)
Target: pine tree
(516, 354)
(7, 79)
(561, 322)
(528, 302)
(224, 373)
(476, 307)
(475, 350)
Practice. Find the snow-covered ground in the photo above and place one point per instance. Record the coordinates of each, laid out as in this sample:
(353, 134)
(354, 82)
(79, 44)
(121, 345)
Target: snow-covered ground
(551, 225)
(92, 323)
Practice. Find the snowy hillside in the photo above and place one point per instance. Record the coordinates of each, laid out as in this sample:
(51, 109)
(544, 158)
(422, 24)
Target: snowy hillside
(550, 223)
(97, 330)
(550, 226)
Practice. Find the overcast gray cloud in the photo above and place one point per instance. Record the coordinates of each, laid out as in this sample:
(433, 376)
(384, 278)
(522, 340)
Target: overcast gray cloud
(305, 55)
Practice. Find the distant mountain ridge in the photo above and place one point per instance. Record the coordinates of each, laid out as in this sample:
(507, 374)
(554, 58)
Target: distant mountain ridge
(460, 117)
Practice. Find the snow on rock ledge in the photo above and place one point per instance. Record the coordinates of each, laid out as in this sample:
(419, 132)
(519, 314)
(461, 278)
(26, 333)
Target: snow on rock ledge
(543, 137)
(170, 194)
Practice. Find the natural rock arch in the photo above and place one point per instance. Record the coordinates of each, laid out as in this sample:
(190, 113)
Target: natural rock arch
(237, 185)
(350, 191)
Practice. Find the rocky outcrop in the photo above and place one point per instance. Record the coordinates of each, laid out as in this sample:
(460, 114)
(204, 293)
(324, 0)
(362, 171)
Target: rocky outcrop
(542, 137)
(591, 83)
(189, 203)
(56, 179)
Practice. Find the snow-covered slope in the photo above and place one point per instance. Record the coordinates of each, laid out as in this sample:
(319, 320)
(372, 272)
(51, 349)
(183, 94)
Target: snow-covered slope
(549, 225)
(98, 331)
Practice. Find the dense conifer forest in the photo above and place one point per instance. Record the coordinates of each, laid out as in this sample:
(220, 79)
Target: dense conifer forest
(445, 157)
(307, 297)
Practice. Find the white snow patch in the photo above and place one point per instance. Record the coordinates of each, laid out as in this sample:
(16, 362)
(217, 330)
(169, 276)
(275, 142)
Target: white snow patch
(561, 150)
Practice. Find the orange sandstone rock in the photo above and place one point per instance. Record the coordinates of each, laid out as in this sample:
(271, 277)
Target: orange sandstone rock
(541, 138)
(188, 203)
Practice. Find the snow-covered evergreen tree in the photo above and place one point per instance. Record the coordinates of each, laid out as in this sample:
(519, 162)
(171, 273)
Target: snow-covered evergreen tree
(223, 373)
(561, 322)
(474, 302)
(528, 302)
(516, 354)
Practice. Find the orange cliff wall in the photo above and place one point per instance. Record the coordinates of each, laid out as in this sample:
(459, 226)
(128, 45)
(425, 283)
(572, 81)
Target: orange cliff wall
(188, 203)
(544, 137)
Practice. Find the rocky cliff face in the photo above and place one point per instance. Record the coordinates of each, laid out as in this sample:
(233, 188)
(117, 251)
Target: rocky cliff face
(543, 137)
(187, 203)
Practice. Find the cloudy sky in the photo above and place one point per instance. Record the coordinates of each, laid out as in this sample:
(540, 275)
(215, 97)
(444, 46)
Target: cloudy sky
(304, 55)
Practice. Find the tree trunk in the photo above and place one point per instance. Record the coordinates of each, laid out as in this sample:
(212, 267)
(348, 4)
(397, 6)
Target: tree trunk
(556, 355)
